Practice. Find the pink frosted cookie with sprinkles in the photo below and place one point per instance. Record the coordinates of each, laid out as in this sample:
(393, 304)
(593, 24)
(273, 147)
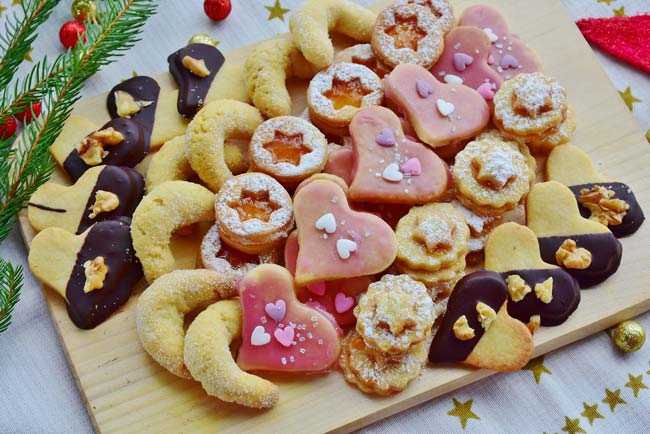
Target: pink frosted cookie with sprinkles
(388, 167)
(441, 114)
(509, 55)
(278, 332)
(341, 164)
(465, 61)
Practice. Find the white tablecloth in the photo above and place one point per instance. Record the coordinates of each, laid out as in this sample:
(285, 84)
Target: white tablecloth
(585, 387)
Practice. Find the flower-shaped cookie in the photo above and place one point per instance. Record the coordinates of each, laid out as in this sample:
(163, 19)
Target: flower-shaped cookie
(559, 136)
(394, 314)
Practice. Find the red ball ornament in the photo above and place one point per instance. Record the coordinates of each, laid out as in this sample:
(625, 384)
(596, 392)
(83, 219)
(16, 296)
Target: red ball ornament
(8, 129)
(71, 32)
(217, 10)
(26, 115)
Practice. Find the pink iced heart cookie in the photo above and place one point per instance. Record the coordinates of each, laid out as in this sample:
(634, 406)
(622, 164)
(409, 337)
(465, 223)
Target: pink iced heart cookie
(406, 172)
(304, 340)
(450, 114)
(341, 164)
(461, 44)
(509, 55)
(360, 245)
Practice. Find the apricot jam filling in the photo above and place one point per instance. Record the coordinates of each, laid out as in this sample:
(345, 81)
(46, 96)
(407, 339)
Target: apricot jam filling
(406, 33)
(344, 93)
(287, 148)
(254, 206)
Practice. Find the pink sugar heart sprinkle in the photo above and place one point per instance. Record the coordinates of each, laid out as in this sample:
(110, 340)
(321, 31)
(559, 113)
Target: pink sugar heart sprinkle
(424, 88)
(276, 310)
(412, 167)
(509, 61)
(386, 138)
(462, 61)
(486, 91)
(317, 288)
(343, 303)
(490, 60)
(284, 336)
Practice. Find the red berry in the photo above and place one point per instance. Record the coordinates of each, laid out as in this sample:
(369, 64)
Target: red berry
(8, 129)
(71, 32)
(217, 10)
(25, 116)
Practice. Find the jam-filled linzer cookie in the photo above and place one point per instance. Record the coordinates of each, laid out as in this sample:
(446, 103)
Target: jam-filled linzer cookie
(441, 9)
(253, 213)
(288, 148)
(610, 203)
(336, 94)
(477, 329)
(585, 248)
(362, 54)
(94, 271)
(102, 193)
(538, 293)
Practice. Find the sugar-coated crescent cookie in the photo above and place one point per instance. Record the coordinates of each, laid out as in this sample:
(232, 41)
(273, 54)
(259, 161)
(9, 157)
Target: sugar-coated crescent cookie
(267, 67)
(311, 22)
(208, 357)
(216, 122)
(168, 207)
(161, 310)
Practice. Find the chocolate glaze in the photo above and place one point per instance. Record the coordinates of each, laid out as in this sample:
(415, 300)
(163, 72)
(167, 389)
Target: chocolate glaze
(110, 239)
(141, 88)
(634, 216)
(46, 208)
(606, 252)
(193, 89)
(566, 296)
(129, 152)
(480, 286)
(126, 183)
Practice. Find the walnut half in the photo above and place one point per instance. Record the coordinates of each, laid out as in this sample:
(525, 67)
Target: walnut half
(604, 207)
(95, 271)
(485, 314)
(91, 149)
(570, 256)
(196, 66)
(127, 106)
(462, 330)
(534, 323)
(517, 288)
(544, 290)
(105, 201)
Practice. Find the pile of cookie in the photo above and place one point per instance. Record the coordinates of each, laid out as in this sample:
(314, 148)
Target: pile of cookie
(400, 218)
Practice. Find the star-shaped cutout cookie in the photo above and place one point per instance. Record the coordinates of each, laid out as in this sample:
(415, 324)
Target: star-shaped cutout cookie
(433, 233)
(276, 11)
(463, 411)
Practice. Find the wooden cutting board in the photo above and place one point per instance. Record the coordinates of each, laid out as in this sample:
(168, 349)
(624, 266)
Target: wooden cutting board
(127, 392)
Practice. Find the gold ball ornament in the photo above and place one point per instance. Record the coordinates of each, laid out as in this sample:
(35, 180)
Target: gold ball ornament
(629, 336)
(202, 38)
(84, 10)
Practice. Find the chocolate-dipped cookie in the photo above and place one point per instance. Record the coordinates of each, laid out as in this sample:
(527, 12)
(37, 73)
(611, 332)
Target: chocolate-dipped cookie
(102, 193)
(538, 293)
(477, 329)
(607, 202)
(585, 248)
(136, 99)
(194, 68)
(94, 271)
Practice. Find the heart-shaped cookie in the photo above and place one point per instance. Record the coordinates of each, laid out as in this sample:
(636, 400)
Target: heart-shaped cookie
(297, 338)
(477, 328)
(534, 287)
(448, 115)
(389, 168)
(135, 98)
(341, 164)
(584, 248)
(102, 193)
(94, 271)
(610, 203)
(361, 245)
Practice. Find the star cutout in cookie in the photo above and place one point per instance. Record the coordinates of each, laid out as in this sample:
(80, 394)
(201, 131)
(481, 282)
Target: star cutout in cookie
(276, 11)
(636, 384)
(620, 12)
(463, 411)
(434, 234)
(572, 426)
(613, 399)
(536, 366)
(591, 413)
(628, 98)
(2, 9)
(28, 55)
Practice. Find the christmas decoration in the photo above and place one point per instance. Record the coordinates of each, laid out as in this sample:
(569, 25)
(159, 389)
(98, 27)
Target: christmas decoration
(629, 336)
(202, 38)
(8, 128)
(624, 37)
(217, 10)
(84, 10)
(71, 32)
(26, 115)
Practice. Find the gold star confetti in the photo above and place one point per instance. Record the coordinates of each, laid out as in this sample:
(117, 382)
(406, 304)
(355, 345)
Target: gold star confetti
(628, 98)
(607, 2)
(613, 399)
(463, 411)
(647, 137)
(537, 367)
(17, 2)
(591, 413)
(28, 55)
(620, 12)
(636, 384)
(2, 9)
(572, 426)
(276, 11)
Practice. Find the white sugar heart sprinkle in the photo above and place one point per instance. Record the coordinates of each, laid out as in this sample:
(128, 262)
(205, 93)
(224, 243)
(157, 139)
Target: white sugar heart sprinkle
(453, 79)
(445, 108)
(490, 34)
(345, 247)
(392, 173)
(260, 337)
(326, 222)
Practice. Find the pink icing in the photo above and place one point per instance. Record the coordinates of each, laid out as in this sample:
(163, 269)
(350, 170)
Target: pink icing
(304, 341)
(462, 61)
(341, 164)
(317, 288)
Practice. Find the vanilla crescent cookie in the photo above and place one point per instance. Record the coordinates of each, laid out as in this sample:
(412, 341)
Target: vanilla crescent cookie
(311, 22)
(168, 207)
(266, 70)
(205, 136)
(161, 309)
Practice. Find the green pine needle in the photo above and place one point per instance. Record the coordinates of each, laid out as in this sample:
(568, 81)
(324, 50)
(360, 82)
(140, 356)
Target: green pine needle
(11, 281)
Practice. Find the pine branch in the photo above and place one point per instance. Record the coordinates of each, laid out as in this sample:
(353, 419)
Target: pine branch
(11, 281)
